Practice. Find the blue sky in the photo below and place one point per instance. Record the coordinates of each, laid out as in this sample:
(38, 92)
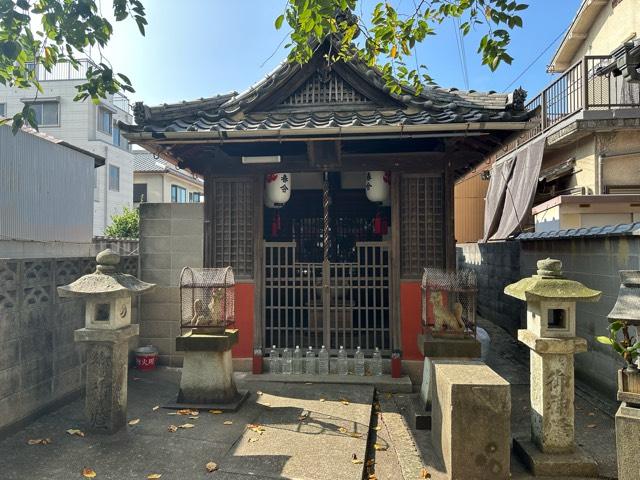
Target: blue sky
(199, 48)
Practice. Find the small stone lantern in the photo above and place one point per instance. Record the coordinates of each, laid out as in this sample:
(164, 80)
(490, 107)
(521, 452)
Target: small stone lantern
(551, 336)
(107, 331)
(627, 311)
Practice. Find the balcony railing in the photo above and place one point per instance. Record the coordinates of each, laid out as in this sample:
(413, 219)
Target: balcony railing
(66, 71)
(578, 89)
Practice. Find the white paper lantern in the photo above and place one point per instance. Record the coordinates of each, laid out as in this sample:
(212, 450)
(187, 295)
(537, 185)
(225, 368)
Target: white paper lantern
(277, 189)
(378, 185)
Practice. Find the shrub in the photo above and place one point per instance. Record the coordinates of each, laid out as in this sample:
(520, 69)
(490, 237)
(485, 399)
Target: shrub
(125, 225)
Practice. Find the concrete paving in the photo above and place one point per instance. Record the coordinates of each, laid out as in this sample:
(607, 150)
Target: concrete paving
(286, 430)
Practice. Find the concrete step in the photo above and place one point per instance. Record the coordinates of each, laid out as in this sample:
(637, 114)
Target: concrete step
(383, 383)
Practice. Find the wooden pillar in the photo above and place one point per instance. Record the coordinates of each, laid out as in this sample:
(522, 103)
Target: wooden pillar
(326, 267)
(449, 218)
(258, 255)
(394, 259)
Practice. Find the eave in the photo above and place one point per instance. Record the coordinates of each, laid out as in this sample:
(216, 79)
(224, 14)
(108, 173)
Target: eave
(576, 35)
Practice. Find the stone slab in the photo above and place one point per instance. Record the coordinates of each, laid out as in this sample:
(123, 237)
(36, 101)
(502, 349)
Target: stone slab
(542, 345)
(231, 406)
(576, 464)
(471, 421)
(627, 435)
(382, 383)
(102, 335)
(213, 343)
(448, 347)
(207, 378)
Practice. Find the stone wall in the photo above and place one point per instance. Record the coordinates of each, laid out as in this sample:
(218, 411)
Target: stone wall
(496, 266)
(40, 364)
(594, 261)
(171, 237)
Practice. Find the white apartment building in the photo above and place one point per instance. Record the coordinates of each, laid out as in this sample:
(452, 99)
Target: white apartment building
(86, 125)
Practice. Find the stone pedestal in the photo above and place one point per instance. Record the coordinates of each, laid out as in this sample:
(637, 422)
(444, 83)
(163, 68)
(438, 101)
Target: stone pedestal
(434, 349)
(627, 435)
(106, 385)
(551, 449)
(207, 372)
(472, 420)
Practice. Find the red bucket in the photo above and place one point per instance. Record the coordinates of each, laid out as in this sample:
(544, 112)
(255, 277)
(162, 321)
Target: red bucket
(146, 358)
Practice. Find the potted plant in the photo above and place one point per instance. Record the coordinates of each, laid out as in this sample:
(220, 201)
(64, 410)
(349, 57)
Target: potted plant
(627, 346)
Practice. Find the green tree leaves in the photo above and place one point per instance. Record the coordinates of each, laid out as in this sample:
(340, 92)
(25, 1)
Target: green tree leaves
(387, 38)
(125, 225)
(40, 34)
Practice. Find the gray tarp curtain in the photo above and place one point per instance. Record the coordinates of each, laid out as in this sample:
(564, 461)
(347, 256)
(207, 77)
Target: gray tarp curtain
(512, 197)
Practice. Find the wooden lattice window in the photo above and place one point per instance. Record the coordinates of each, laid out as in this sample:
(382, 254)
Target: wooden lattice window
(421, 224)
(325, 88)
(232, 231)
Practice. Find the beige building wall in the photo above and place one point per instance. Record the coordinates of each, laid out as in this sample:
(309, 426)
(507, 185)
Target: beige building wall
(613, 26)
(159, 186)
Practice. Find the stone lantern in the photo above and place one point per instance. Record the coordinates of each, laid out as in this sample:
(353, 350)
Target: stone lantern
(551, 336)
(107, 331)
(627, 311)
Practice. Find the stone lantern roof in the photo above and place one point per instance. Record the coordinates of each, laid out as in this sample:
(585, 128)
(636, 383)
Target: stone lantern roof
(627, 307)
(106, 281)
(550, 284)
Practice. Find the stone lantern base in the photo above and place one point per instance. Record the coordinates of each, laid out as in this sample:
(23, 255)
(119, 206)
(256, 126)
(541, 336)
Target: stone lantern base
(207, 372)
(106, 384)
(576, 464)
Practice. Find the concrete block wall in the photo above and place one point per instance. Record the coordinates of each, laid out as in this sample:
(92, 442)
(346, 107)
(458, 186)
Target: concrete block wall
(592, 261)
(496, 266)
(171, 237)
(40, 364)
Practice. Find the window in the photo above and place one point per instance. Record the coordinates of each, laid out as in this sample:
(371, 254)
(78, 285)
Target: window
(117, 139)
(114, 178)
(3, 109)
(105, 120)
(195, 197)
(140, 192)
(178, 194)
(47, 113)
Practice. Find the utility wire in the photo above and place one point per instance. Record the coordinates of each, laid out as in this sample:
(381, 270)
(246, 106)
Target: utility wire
(462, 55)
(534, 61)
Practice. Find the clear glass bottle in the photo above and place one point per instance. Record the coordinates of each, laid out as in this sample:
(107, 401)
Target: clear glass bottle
(287, 361)
(323, 361)
(310, 362)
(343, 362)
(274, 360)
(376, 363)
(297, 361)
(359, 362)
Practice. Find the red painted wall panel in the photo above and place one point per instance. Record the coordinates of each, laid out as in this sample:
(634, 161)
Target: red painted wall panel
(244, 320)
(410, 319)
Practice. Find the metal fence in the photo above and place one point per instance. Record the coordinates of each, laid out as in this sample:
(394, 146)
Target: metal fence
(578, 89)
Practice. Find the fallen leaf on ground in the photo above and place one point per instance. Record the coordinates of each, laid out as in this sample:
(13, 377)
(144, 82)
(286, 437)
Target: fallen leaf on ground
(186, 425)
(155, 408)
(344, 402)
(377, 428)
(371, 462)
(135, 421)
(356, 435)
(193, 418)
(258, 393)
(377, 446)
(211, 467)
(154, 476)
(308, 383)
(592, 414)
(187, 411)
(227, 422)
(39, 441)
(172, 413)
(257, 428)
(303, 417)
(253, 439)
(388, 395)
(322, 399)
(342, 430)
(75, 431)
(424, 474)
(592, 425)
(355, 460)
(372, 476)
(172, 428)
(88, 472)
(216, 412)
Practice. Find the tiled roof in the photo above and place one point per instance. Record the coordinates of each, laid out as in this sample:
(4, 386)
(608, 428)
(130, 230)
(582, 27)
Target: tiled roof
(148, 163)
(608, 230)
(253, 109)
